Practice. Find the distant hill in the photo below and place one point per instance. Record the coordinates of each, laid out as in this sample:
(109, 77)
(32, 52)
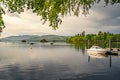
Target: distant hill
(49, 38)
(17, 38)
(36, 38)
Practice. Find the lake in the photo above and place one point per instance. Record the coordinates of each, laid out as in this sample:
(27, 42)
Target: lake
(60, 61)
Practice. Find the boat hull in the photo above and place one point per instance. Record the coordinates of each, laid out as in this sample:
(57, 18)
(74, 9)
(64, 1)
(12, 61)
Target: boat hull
(103, 51)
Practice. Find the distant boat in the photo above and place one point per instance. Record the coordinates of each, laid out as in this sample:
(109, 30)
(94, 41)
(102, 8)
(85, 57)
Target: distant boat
(51, 43)
(31, 43)
(96, 49)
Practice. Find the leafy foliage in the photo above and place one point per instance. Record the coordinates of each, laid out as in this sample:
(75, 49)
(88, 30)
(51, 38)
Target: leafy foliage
(43, 40)
(94, 39)
(50, 10)
(23, 41)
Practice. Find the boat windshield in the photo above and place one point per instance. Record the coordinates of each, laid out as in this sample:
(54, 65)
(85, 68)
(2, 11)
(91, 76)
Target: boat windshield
(96, 47)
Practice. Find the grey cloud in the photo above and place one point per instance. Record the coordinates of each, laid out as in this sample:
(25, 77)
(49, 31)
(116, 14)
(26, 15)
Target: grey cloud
(112, 20)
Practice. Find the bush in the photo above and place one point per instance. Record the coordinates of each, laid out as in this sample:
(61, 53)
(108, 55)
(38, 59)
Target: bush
(23, 41)
(43, 40)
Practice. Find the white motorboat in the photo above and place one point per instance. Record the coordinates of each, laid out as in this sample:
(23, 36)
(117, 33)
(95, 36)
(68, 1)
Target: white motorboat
(96, 49)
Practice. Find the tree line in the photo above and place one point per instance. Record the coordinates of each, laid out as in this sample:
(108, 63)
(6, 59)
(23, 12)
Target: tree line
(95, 39)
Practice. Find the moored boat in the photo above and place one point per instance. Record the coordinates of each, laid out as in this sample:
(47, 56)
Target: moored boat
(96, 49)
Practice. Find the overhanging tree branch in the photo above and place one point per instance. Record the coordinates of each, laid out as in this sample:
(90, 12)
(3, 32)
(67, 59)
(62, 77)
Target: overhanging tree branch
(50, 10)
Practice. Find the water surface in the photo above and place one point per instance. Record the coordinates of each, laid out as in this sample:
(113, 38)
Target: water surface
(60, 61)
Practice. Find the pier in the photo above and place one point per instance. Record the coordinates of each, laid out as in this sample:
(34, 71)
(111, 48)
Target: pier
(113, 51)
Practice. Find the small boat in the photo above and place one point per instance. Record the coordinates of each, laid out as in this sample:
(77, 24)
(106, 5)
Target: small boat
(96, 49)
(51, 43)
(31, 43)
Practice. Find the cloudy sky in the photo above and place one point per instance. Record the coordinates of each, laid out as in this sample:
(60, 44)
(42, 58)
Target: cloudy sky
(100, 18)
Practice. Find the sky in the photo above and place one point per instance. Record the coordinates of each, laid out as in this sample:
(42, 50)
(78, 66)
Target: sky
(100, 18)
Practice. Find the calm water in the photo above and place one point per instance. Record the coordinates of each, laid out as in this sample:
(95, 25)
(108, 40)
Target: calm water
(60, 61)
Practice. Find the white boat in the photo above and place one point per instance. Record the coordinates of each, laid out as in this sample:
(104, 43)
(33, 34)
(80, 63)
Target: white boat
(96, 49)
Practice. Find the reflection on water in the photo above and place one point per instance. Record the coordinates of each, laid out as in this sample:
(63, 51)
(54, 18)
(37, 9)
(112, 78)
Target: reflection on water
(97, 55)
(42, 61)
